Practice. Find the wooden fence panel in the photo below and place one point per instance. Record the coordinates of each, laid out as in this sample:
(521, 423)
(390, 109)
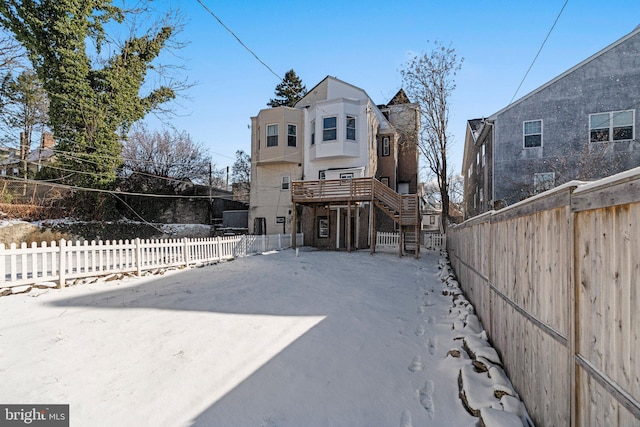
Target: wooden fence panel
(563, 302)
(608, 268)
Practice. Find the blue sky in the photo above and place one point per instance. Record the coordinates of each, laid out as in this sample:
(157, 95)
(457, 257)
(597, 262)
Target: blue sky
(366, 43)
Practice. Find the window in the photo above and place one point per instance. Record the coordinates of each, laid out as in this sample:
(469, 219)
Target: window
(386, 148)
(351, 128)
(385, 180)
(432, 220)
(532, 134)
(322, 174)
(329, 129)
(346, 175)
(280, 220)
(613, 126)
(285, 182)
(543, 181)
(292, 132)
(272, 135)
(323, 227)
(313, 132)
(481, 196)
(15, 172)
(483, 155)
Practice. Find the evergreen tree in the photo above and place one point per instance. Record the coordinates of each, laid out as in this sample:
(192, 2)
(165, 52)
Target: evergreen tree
(289, 91)
(92, 103)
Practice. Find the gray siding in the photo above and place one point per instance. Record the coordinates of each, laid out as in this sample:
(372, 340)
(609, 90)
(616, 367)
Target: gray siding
(607, 82)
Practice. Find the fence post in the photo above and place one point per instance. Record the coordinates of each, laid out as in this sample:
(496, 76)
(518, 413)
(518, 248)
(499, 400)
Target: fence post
(279, 242)
(219, 248)
(185, 251)
(138, 257)
(62, 264)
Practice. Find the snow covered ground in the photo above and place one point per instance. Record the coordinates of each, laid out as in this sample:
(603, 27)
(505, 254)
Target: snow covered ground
(318, 339)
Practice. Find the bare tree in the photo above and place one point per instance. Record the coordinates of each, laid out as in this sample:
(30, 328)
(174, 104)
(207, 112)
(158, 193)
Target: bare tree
(169, 159)
(429, 80)
(26, 108)
(241, 174)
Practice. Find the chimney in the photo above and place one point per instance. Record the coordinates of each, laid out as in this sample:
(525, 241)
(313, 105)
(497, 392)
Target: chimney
(47, 140)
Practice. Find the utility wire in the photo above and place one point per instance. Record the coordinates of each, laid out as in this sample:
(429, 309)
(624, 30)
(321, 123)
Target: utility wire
(539, 50)
(239, 41)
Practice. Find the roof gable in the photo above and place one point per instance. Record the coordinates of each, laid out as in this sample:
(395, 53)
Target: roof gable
(634, 33)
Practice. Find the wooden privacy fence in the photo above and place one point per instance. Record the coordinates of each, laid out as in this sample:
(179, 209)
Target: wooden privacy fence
(58, 262)
(554, 280)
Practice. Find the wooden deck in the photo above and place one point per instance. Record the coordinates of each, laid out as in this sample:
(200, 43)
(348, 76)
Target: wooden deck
(402, 207)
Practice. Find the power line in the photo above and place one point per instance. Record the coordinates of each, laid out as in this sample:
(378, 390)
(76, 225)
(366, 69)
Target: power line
(539, 50)
(240, 41)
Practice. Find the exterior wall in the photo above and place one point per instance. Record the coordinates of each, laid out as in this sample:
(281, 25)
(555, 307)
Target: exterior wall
(337, 229)
(388, 165)
(269, 164)
(340, 153)
(608, 82)
(406, 119)
(477, 169)
(282, 153)
(269, 200)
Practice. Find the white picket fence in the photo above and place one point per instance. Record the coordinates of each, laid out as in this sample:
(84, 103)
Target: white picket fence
(386, 240)
(434, 240)
(61, 261)
(392, 240)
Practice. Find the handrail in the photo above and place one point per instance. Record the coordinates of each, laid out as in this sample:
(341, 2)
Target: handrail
(403, 208)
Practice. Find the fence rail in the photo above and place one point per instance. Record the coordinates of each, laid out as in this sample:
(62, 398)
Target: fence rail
(61, 261)
(391, 240)
(554, 280)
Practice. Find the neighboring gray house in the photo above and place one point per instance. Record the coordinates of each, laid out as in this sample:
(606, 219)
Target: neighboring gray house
(581, 125)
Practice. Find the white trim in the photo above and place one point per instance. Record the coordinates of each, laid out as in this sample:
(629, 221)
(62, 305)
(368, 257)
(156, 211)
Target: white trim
(524, 134)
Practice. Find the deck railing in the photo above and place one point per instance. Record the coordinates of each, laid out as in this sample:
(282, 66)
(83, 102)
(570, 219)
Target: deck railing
(403, 206)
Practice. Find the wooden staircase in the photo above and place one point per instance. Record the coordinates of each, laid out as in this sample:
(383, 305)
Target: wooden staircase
(404, 209)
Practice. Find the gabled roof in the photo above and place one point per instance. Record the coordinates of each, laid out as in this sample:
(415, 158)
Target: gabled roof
(632, 34)
(399, 98)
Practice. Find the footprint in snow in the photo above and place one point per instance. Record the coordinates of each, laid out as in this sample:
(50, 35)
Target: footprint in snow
(431, 320)
(420, 330)
(433, 345)
(416, 364)
(405, 419)
(420, 309)
(426, 397)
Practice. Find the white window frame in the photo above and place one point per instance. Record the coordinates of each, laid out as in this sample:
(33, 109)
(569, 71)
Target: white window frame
(322, 174)
(277, 128)
(329, 129)
(293, 135)
(285, 182)
(611, 127)
(323, 227)
(386, 146)
(525, 134)
(350, 128)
